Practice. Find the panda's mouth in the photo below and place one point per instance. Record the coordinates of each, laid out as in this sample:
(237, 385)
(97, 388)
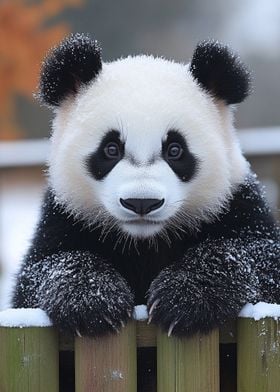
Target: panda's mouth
(142, 221)
(142, 227)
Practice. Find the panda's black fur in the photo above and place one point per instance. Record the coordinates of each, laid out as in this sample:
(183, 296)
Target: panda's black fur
(223, 74)
(201, 280)
(75, 62)
(88, 283)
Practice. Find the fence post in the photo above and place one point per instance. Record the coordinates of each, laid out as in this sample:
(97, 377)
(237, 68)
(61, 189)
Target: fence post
(188, 364)
(258, 355)
(29, 359)
(107, 364)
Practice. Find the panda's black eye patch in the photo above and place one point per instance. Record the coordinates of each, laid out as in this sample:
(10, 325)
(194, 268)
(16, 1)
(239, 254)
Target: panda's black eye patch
(178, 156)
(107, 155)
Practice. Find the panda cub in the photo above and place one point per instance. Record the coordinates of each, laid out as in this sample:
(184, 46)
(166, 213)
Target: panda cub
(150, 199)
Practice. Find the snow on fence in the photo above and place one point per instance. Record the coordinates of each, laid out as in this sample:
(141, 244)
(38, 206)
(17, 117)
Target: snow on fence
(29, 357)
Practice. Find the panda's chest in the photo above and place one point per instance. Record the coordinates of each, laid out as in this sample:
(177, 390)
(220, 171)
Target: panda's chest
(141, 264)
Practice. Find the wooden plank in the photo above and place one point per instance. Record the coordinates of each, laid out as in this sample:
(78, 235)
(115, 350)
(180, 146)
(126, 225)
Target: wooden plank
(188, 364)
(146, 334)
(107, 364)
(258, 355)
(166, 363)
(29, 359)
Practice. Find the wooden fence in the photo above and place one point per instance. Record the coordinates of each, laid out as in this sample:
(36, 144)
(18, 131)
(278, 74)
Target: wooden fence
(29, 359)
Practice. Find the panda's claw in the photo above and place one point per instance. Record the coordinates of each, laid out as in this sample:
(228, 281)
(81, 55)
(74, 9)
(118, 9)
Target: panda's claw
(172, 326)
(153, 306)
(110, 322)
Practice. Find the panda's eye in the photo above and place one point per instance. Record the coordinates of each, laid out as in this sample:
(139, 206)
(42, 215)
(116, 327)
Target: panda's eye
(112, 150)
(174, 151)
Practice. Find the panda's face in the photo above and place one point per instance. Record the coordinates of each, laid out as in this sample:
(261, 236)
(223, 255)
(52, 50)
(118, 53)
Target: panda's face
(144, 150)
(141, 184)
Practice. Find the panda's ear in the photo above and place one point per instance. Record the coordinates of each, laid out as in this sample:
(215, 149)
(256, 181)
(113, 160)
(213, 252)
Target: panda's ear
(220, 72)
(73, 63)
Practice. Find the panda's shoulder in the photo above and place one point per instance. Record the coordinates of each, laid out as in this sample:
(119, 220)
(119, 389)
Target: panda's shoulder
(56, 228)
(248, 212)
(250, 196)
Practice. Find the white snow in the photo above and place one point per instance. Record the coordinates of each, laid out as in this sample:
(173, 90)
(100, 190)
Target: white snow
(24, 318)
(38, 318)
(260, 310)
(140, 312)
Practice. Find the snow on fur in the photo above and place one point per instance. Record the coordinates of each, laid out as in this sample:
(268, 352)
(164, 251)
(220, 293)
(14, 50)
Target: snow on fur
(227, 264)
(260, 310)
(24, 318)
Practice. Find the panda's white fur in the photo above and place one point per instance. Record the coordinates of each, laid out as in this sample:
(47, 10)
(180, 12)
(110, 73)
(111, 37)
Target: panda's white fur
(143, 97)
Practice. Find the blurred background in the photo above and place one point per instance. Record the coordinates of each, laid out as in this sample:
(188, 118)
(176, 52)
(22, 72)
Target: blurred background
(160, 27)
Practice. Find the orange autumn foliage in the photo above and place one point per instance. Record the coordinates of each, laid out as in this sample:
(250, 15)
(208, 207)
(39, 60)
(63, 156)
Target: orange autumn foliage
(23, 43)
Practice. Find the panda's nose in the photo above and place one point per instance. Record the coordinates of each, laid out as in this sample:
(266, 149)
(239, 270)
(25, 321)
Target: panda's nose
(142, 206)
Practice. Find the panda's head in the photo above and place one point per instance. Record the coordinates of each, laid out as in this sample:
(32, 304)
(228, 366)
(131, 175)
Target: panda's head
(143, 145)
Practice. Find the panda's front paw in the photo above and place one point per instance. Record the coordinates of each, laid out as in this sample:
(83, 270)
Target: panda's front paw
(90, 301)
(183, 303)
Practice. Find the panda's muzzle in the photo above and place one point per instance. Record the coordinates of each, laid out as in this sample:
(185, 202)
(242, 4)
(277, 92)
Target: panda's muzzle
(142, 206)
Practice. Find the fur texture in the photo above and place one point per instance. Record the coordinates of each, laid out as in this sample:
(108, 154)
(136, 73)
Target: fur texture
(147, 129)
(75, 62)
(220, 72)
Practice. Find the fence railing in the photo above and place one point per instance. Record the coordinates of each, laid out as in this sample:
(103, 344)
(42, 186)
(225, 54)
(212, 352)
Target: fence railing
(29, 359)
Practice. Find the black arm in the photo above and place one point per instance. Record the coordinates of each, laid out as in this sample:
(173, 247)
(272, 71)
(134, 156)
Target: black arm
(79, 291)
(237, 261)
